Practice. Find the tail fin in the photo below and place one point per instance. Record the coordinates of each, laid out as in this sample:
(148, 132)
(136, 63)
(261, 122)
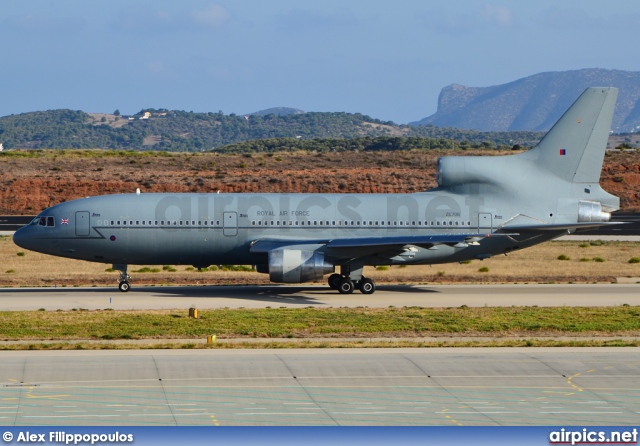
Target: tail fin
(574, 147)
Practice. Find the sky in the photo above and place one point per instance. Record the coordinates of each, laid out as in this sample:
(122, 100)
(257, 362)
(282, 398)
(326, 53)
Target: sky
(386, 59)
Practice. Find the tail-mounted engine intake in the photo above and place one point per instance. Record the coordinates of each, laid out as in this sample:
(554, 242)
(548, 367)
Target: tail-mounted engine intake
(591, 211)
(297, 266)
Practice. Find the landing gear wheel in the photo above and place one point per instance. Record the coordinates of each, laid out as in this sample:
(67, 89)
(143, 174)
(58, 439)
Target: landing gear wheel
(124, 286)
(366, 286)
(346, 286)
(334, 281)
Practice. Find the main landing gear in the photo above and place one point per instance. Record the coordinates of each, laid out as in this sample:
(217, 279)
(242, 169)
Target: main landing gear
(123, 284)
(345, 285)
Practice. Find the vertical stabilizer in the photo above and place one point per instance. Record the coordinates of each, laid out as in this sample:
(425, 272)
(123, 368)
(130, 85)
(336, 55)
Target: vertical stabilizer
(574, 147)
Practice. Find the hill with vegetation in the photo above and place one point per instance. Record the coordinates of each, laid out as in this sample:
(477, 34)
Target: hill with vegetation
(534, 103)
(179, 131)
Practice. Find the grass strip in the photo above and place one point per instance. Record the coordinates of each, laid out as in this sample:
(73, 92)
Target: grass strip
(322, 344)
(316, 322)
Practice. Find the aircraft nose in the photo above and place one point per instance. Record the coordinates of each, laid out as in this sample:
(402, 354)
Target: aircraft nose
(21, 238)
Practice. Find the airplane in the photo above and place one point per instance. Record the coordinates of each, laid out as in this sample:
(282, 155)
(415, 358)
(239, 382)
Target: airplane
(483, 206)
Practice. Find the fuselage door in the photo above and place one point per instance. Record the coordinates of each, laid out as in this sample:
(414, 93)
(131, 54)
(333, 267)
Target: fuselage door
(485, 223)
(83, 225)
(230, 224)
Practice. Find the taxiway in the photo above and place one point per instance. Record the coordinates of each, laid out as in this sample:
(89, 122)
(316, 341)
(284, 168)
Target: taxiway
(147, 298)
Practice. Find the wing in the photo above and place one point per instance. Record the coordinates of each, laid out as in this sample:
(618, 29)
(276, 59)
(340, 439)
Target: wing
(361, 246)
(569, 227)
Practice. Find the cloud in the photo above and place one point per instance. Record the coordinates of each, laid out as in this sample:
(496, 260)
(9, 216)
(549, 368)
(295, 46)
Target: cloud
(305, 20)
(45, 23)
(143, 20)
(140, 20)
(556, 18)
(468, 21)
(500, 15)
(213, 16)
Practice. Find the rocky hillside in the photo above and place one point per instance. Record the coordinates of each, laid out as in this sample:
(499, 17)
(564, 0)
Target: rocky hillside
(534, 103)
(33, 181)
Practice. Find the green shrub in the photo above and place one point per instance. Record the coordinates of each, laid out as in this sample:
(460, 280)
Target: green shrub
(564, 257)
(634, 260)
(236, 268)
(598, 259)
(484, 269)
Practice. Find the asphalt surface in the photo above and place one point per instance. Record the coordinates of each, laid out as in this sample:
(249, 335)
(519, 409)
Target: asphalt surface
(447, 387)
(202, 297)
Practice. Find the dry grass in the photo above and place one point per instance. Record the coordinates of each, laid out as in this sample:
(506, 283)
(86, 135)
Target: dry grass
(83, 345)
(537, 264)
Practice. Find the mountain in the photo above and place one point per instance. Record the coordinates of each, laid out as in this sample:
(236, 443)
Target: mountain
(278, 111)
(174, 130)
(534, 103)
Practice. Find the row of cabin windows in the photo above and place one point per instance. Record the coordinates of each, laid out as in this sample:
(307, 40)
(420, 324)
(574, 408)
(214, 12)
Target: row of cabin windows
(161, 223)
(356, 223)
(283, 223)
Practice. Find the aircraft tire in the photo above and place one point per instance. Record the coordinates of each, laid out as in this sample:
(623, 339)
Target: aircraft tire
(124, 286)
(346, 286)
(367, 286)
(334, 281)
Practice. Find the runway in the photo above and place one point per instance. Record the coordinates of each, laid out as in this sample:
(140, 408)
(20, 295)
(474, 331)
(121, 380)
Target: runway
(203, 297)
(534, 386)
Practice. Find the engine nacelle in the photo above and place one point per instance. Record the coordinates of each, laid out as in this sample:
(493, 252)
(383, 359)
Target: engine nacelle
(297, 266)
(591, 211)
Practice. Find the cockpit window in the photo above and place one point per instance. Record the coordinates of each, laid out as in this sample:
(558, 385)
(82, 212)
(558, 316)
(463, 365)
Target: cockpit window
(44, 221)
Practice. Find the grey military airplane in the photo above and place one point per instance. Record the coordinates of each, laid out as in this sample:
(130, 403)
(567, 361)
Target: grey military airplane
(482, 207)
